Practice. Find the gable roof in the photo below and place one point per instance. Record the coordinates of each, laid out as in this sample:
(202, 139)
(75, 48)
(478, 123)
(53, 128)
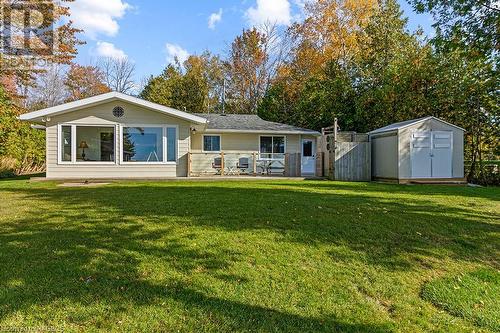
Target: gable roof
(407, 123)
(249, 123)
(37, 116)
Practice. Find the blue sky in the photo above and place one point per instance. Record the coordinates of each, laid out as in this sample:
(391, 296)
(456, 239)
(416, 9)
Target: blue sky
(151, 32)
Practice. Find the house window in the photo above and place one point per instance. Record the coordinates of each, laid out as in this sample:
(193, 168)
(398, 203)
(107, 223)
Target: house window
(98, 144)
(66, 146)
(211, 143)
(142, 144)
(171, 144)
(95, 144)
(272, 147)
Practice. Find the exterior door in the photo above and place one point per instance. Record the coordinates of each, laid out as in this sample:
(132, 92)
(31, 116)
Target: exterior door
(431, 154)
(308, 156)
(441, 154)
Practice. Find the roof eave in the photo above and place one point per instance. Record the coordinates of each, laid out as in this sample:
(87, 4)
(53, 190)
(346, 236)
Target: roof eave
(413, 123)
(257, 131)
(37, 116)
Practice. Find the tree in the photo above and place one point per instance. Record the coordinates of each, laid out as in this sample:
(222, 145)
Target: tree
(254, 58)
(49, 89)
(54, 42)
(18, 141)
(118, 74)
(163, 89)
(194, 87)
(84, 81)
(331, 31)
(392, 75)
(470, 23)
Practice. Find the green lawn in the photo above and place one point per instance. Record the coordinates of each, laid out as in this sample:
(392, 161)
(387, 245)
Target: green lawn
(265, 256)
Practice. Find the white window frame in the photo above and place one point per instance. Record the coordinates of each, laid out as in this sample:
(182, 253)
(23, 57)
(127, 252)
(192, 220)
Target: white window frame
(164, 143)
(211, 151)
(74, 147)
(272, 143)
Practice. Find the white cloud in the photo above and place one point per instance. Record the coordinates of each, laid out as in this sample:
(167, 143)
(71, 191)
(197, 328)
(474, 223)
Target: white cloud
(98, 16)
(214, 18)
(175, 51)
(108, 50)
(274, 11)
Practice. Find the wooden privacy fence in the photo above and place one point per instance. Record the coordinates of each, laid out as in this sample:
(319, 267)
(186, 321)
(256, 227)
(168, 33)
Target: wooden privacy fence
(346, 155)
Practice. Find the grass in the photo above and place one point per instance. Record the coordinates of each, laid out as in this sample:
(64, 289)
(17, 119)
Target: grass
(473, 295)
(263, 256)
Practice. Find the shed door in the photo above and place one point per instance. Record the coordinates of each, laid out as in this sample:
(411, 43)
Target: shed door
(441, 154)
(431, 154)
(421, 162)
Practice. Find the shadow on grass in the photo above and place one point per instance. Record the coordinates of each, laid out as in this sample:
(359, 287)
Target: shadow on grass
(89, 246)
(22, 177)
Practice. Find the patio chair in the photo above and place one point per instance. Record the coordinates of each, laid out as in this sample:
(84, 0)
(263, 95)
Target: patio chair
(217, 165)
(243, 165)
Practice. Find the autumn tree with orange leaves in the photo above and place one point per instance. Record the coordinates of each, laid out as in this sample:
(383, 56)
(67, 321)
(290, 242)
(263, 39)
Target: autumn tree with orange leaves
(56, 44)
(84, 81)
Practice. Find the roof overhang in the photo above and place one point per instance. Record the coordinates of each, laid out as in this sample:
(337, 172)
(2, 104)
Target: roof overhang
(41, 116)
(257, 131)
(396, 129)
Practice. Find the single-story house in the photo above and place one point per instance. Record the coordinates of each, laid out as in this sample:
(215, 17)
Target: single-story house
(425, 149)
(119, 136)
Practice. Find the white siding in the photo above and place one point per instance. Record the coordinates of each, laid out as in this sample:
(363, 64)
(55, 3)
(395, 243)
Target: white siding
(102, 114)
(434, 125)
(385, 155)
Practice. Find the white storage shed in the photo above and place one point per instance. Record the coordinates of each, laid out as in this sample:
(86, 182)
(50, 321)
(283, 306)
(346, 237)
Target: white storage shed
(420, 150)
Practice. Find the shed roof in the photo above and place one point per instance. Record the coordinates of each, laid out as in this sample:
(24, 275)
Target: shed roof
(407, 123)
(249, 123)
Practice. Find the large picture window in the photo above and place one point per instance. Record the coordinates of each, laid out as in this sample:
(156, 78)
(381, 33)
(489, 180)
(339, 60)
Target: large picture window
(143, 144)
(99, 144)
(211, 143)
(272, 147)
(95, 144)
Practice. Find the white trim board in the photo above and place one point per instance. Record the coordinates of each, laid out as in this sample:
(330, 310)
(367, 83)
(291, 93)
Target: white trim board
(410, 123)
(263, 132)
(42, 115)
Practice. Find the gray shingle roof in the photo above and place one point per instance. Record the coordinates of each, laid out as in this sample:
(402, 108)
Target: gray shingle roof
(250, 123)
(403, 124)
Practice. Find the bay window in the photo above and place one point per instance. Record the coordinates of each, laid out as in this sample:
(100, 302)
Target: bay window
(272, 147)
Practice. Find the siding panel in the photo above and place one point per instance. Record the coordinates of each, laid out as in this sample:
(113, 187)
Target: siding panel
(134, 115)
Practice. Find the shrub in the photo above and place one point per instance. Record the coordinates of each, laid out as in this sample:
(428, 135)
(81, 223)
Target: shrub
(7, 167)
